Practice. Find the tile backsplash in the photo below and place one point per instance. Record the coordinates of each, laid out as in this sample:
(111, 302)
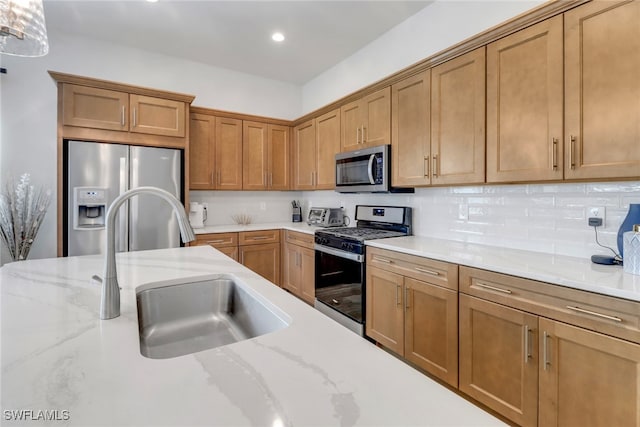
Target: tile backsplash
(548, 218)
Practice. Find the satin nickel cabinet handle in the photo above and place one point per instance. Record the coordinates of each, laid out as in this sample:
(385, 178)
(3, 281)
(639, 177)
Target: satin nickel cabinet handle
(596, 314)
(213, 242)
(388, 261)
(426, 166)
(545, 353)
(572, 143)
(358, 135)
(406, 297)
(435, 165)
(424, 270)
(364, 139)
(527, 344)
(493, 288)
(213, 179)
(554, 153)
(398, 294)
(260, 238)
(123, 117)
(135, 117)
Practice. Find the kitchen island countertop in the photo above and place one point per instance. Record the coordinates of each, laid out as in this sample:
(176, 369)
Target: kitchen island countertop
(58, 356)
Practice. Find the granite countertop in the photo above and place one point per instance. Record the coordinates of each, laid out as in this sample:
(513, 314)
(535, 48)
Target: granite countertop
(572, 272)
(58, 356)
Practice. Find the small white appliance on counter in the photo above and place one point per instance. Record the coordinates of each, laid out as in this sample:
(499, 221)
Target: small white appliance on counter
(326, 217)
(197, 214)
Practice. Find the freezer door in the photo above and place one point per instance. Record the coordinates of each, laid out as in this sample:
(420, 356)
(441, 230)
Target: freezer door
(103, 169)
(152, 223)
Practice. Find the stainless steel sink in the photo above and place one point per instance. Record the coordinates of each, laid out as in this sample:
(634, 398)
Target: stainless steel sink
(192, 316)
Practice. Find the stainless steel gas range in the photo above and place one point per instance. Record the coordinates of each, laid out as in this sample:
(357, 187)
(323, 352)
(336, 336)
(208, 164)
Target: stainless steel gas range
(340, 261)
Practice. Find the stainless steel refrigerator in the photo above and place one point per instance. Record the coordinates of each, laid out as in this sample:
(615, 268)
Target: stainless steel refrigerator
(97, 173)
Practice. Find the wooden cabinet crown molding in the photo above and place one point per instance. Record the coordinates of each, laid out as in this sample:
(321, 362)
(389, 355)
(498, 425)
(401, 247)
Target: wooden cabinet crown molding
(106, 84)
(241, 116)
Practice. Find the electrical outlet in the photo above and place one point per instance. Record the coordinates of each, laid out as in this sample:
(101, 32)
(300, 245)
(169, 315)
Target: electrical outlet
(263, 206)
(463, 211)
(596, 212)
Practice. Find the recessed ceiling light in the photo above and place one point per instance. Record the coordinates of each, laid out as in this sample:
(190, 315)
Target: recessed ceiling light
(277, 37)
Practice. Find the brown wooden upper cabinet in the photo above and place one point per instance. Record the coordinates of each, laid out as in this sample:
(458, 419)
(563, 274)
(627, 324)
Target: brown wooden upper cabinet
(96, 108)
(525, 104)
(602, 90)
(315, 144)
(265, 152)
(366, 122)
(215, 159)
(438, 124)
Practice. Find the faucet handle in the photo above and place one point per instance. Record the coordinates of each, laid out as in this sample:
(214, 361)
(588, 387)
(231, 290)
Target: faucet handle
(97, 279)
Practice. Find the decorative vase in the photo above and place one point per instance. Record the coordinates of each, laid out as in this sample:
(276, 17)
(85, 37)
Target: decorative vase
(633, 217)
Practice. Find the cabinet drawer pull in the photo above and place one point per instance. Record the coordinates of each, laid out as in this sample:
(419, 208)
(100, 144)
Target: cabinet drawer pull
(259, 238)
(545, 347)
(388, 261)
(527, 344)
(572, 142)
(593, 313)
(493, 288)
(424, 270)
(434, 171)
(215, 241)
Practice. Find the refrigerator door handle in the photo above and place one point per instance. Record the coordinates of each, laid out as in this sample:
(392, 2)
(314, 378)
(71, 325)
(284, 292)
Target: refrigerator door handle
(123, 215)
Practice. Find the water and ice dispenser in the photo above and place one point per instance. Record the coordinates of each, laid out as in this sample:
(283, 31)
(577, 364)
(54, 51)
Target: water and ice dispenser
(89, 208)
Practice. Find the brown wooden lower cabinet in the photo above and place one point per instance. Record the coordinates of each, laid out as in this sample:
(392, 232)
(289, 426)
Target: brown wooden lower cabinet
(414, 318)
(498, 358)
(227, 243)
(298, 265)
(263, 258)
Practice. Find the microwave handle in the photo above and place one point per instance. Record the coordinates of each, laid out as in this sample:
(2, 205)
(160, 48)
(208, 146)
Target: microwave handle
(370, 169)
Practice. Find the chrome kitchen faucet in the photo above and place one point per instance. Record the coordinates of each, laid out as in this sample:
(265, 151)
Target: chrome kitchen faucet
(110, 299)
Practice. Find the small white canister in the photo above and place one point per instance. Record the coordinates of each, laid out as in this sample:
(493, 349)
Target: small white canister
(632, 250)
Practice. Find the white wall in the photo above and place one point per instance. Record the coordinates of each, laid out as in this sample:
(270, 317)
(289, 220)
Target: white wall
(29, 102)
(433, 29)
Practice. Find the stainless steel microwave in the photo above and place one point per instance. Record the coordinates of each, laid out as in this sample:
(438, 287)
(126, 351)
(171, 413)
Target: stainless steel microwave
(366, 171)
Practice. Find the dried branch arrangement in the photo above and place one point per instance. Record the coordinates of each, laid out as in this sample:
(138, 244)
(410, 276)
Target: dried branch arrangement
(242, 219)
(22, 208)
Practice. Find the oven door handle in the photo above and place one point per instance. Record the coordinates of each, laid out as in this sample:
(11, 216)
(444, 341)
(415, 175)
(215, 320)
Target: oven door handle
(372, 158)
(339, 253)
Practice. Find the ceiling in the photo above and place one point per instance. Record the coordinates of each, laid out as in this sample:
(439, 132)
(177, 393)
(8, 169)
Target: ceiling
(237, 34)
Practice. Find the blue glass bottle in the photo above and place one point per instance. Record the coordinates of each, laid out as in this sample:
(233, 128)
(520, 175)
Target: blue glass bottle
(633, 217)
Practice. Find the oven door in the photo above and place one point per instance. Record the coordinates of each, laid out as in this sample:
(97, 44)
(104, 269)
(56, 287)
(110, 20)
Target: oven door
(340, 286)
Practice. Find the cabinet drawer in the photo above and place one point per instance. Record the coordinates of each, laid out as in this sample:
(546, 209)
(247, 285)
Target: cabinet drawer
(300, 239)
(428, 270)
(600, 313)
(257, 237)
(218, 240)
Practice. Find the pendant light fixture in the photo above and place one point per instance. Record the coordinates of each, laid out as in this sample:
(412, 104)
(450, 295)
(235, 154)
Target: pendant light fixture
(22, 28)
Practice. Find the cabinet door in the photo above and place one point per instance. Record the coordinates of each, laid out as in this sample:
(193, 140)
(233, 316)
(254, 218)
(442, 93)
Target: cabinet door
(458, 120)
(231, 252)
(351, 126)
(384, 310)
(290, 268)
(525, 104)
(431, 329)
(498, 358)
(157, 116)
(228, 168)
(263, 259)
(602, 89)
(307, 275)
(327, 146)
(410, 131)
(587, 379)
(254, 156)
(376, 109)
(94, 108)
(304, 158)
(278, 155)
(201, 151)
